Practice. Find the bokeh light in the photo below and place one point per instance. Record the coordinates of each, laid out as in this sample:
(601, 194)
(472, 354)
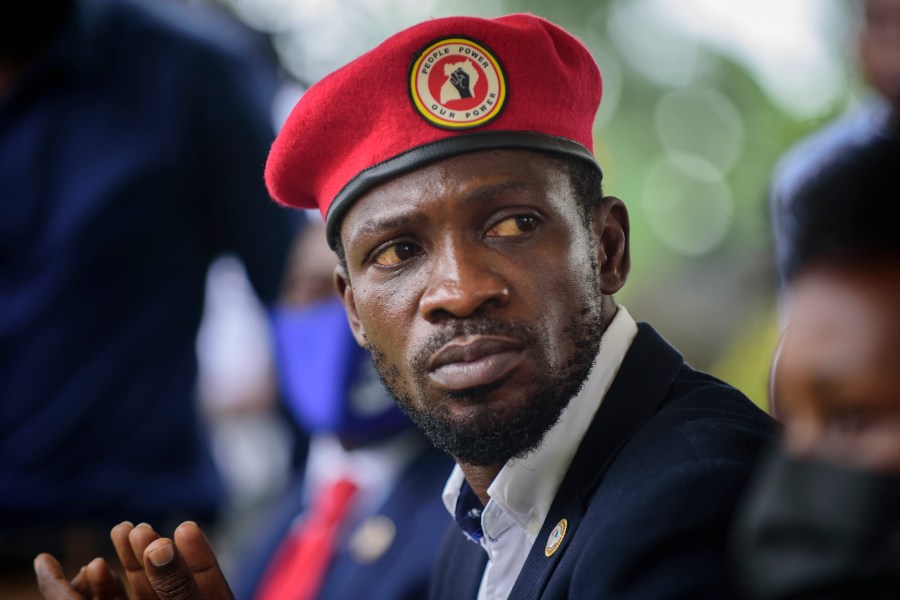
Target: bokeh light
(688, 204)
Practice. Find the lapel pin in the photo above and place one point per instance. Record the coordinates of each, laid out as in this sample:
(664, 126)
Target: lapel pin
(372, 539)
(556, 537)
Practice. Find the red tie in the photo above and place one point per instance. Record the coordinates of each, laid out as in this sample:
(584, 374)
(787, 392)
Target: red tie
(299, 565)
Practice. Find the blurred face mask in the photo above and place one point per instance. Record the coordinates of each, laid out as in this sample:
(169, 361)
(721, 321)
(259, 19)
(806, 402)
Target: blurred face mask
(816, 530)
(328, 381)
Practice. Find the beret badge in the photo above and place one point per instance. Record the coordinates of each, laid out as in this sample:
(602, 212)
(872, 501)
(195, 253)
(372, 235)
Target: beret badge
(457, 83)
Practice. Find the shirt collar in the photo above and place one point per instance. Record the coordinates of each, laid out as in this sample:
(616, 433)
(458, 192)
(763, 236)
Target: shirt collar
(525, 487)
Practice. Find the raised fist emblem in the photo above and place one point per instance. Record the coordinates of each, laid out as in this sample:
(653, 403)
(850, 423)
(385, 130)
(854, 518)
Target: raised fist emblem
(460, 80)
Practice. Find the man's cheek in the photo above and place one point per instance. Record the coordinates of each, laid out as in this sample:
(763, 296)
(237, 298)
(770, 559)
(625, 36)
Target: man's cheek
(878, 445)
(373, 320)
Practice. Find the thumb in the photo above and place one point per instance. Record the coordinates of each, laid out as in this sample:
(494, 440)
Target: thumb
(168, 574)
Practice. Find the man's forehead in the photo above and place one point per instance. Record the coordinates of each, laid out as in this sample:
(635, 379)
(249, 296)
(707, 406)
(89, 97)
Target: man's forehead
(860, 297)
(469, 179)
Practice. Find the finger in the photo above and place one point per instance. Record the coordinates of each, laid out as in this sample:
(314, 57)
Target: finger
(139, 538)
(52, 583)
(134, 570)
(81, 584)
(194, 548)
(105, 584)
(168, 573)
(143, 535)
(119, 537)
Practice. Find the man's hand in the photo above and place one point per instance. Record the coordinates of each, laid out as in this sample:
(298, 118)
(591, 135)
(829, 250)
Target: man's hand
(95, 580)
(184, 568)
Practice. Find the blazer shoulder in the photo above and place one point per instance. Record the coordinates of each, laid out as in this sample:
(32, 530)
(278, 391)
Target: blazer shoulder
(695, 416)
(714, 418)
(703, 424)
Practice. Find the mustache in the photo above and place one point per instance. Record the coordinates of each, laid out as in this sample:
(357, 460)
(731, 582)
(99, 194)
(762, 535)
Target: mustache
(516, 330)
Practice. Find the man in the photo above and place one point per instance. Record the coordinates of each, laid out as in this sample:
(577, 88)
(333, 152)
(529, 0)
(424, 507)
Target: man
(478, 263)
(876, 117)
(371, 478)
(823, 521)
(879, 50)
(130, 139)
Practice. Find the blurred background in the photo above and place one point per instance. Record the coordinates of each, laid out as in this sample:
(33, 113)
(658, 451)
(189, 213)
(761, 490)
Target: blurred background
(701, 98)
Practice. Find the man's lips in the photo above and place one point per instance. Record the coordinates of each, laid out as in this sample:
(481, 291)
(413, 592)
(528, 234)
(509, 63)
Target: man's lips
(473, 361)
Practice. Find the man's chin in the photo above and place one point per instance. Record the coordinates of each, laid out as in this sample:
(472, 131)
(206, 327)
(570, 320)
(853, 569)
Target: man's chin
(481, 434)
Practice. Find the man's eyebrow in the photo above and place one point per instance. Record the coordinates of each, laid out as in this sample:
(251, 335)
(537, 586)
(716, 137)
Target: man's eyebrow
(480, 194)
(486, 192)
(379, 225)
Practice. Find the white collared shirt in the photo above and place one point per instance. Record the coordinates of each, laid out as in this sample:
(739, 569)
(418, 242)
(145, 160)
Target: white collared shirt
(521, 494)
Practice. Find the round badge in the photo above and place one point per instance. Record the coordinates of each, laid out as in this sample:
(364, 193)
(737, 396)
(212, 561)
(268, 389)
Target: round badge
(457, 83)
(556, 537)
(372, 539)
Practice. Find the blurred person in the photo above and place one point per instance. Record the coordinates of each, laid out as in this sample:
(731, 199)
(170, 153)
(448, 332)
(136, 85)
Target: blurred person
(876, 117)
(823, 519)
(479, 259)
(877, 41)
(131, 139)
(879, 51)
(363, 451)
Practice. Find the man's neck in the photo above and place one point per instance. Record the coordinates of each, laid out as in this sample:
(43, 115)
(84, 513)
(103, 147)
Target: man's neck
(480, 478)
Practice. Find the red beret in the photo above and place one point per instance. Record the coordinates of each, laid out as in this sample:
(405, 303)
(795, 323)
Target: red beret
(440, 88)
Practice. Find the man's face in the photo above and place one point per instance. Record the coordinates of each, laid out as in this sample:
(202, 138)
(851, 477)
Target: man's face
(474, 282)
(309, 277)
(880, 48)
(837, 376)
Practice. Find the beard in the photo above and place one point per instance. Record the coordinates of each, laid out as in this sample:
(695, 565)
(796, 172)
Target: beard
(491, 435)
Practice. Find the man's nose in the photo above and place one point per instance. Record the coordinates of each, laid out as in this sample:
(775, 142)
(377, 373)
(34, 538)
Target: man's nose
(805, 436)
(463, 280)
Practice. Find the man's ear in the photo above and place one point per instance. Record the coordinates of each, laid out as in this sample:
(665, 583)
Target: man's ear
(342, 282)
(613, 231)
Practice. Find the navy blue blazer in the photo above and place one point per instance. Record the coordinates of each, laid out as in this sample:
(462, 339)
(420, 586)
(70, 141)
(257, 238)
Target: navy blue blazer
(649, 495)
(403, 571)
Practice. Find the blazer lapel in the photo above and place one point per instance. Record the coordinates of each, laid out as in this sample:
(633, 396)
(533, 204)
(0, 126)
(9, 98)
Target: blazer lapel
(458, 574)
(637, 392)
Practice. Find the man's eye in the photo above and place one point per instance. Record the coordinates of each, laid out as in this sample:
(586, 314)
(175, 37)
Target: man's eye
(396, 253)
(513, 226)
